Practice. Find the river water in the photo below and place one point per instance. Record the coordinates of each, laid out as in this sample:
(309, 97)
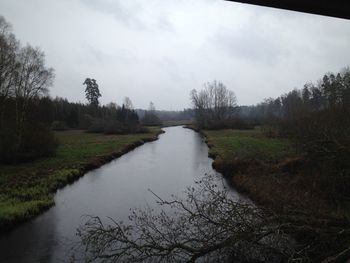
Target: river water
(166, 166)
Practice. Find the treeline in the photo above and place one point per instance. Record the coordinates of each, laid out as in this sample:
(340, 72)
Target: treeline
(318, 115)
(167, 115)
(150, 118)
(24, 78)
(330, 93)
(28, 115)
(60, 114)
(109, 119)
(316, 118)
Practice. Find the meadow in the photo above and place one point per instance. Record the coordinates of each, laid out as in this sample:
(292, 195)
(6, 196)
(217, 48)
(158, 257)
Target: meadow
(27, 189)
(272, 171)
(248, 145)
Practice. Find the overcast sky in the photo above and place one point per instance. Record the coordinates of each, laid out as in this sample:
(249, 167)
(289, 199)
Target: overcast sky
(158, 50)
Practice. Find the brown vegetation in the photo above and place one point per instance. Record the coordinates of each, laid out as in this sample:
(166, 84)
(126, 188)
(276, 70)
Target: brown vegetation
(286, 186)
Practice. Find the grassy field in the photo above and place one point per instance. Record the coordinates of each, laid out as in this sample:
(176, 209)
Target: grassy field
(274, 174)
(248, 145)
(270, 170)
(27, 189)
(265, 168)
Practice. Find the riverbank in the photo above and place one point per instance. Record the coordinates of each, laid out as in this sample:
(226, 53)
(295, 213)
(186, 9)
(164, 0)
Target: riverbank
(276, 176)
(27, 189)
(270, 170)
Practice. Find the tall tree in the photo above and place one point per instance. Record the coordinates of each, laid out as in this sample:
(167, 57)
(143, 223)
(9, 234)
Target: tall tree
(8, 51)
(346, 90)
(92, 92)
(33, 79)
(151, 107)
(151, 118)
(128, 103)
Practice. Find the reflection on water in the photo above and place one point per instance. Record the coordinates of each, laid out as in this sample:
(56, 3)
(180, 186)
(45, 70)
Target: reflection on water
(166, 166)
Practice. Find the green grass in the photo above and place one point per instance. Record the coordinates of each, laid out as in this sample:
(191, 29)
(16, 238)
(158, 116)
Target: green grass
(248, 145)
(283, 182)
(27, 188)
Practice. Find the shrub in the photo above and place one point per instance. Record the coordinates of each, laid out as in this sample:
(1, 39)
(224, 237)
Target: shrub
(141, 129)
(59, 126)
(38, 141)
(113, 127)
(97, 126)
(85, 121)
(236, 123)
(7, 143)
(150, 119)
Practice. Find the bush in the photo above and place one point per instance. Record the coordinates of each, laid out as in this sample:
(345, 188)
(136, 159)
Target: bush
(236, 123)
(97, 126)
(37, 141)
(7, 145)
(151, 119)
(113, 127)
(59, 126)
(141, 129)
(85, 121)
(324, 137)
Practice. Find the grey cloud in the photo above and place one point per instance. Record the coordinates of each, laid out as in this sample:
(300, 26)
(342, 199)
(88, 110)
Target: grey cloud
(132, 14)
(123, 14)
(254, 45)
(158, 50)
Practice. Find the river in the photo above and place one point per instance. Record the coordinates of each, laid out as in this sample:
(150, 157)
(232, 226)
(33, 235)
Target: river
(166, 166)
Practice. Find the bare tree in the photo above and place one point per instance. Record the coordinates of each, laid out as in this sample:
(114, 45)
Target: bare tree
(128, 104)
(151, 107)
(112, 105)
(221, 100)
(8, 51)
(150, 118)
(32, 80)
(214, 103)
(200, 104)
(207, 226)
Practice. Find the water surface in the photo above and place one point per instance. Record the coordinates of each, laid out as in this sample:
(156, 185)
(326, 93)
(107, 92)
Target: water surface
(166, 166)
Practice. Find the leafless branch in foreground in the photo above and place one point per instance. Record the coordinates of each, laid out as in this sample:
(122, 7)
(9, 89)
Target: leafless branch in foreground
(208, 225)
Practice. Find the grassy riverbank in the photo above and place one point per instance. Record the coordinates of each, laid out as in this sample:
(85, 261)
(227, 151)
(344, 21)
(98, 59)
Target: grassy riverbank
(251, 161)
(270, 170)
(248, 145)
(27, 189)
(275, 175)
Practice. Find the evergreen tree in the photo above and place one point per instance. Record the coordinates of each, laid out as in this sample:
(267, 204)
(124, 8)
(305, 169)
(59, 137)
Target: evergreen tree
(92, 92)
